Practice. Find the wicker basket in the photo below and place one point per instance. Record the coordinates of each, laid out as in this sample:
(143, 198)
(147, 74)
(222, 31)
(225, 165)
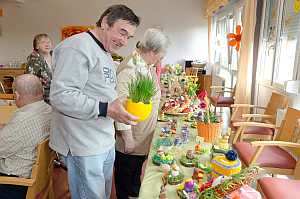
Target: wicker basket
(210, 132)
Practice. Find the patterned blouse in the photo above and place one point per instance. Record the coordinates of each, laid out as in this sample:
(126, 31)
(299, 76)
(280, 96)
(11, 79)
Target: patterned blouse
(37, 65)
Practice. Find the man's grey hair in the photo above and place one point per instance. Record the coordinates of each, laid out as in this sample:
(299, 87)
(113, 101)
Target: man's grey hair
(28, 85)
(154, 40)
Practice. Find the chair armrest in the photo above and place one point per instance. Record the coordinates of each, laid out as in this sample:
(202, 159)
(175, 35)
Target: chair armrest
(257, 116)
(16, 181)
(275, 143)
(219, 87)
(242, 105)
(246, 106)
(258, 124)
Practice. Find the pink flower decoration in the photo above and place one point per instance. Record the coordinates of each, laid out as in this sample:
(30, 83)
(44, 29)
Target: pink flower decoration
(202, 94)
(203, 105)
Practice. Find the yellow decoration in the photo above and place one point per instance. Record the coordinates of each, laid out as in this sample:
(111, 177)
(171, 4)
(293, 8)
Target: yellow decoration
(222, 166)
(141, 110)
(297, 6)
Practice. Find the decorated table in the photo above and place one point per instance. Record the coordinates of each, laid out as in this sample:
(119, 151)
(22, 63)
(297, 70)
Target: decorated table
(152, 181)
(189, 158)
(215, 176)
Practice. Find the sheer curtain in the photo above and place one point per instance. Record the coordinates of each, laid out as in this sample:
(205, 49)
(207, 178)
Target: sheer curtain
(244, 77)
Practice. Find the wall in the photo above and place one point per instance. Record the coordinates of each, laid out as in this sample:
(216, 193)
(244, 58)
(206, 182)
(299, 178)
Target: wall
(183, 21)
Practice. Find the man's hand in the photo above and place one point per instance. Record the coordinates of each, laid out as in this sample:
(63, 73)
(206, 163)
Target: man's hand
(116, 111)
(128, 141)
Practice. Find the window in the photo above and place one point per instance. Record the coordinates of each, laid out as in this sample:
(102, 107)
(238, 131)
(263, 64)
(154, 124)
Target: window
(225, 58)
(280, 43)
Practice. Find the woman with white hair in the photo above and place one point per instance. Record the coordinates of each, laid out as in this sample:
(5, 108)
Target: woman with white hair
(133, 142)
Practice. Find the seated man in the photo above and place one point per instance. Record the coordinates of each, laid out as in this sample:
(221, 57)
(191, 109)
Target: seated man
(20, 136)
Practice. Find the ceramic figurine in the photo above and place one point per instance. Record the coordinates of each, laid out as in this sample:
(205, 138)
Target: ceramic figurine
(189, 159)
(226, 164)
(198, 175)
(175, 175)
(197, 148)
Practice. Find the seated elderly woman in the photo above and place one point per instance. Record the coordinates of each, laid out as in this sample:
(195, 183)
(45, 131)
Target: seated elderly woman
(133, 142)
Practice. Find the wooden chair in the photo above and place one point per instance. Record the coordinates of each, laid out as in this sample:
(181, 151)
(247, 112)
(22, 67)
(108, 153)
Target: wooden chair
(277, 101)
(220, 100)
(38, 184)
(278, 188)
(6, 112)
(277, 157)
(191, 72)
(6, 96)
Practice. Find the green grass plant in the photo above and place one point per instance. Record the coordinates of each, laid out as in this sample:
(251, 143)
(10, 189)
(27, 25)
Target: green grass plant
(142, 89)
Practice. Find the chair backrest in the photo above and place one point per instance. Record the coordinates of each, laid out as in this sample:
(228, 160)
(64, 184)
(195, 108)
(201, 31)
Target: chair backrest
(192, 71)
(6, 113)
(289, 126)
(40, 174)
(277, 101)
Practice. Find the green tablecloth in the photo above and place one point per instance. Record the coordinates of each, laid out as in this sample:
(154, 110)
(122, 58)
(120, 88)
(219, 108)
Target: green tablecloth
(152, 181)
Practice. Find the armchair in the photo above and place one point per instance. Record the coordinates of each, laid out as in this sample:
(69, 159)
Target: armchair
(277, 101)
(277, 157)
(277, 188)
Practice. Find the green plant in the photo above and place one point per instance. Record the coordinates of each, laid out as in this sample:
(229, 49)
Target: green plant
(192, 89)
(142, 89)
(210, 117)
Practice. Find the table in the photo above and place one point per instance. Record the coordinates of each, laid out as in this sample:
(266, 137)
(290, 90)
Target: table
(6, 112)
(152, 182)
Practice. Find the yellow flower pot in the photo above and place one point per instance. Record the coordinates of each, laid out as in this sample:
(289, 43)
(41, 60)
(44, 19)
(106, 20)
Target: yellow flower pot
(141, 110)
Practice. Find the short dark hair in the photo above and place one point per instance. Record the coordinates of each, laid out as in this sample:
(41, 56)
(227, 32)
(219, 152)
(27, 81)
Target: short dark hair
(116, 12)
(37, 38)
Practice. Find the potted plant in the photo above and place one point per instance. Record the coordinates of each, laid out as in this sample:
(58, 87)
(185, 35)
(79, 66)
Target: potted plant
(208, 125)
(141, 90)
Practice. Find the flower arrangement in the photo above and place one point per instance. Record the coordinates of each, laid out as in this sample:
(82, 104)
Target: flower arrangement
(141, 90)
(208, 125)
(205, 115)
(192, 88)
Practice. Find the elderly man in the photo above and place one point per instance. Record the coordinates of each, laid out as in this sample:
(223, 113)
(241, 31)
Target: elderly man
(20, 136)
(85, 102)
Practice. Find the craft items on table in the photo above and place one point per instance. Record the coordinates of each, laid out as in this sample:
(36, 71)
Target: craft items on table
(189, 189)
(198, 175)
(223, 143)
(162, 118)
(161, 157)
(177, 141)
(189, 159)
(227, 164)
(235, 182)
(206, 168)
(173, 125)
(185, 134)
(165, 132)
(177, 106)
(175, 175)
